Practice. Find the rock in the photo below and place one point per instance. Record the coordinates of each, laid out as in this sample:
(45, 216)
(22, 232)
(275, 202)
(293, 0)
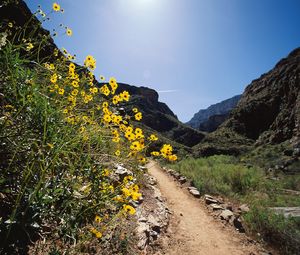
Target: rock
(142, 219)
(182, 179)
(192, 188)
(143, 227)
(210, 200)
(195, 193)
(157, 194)
(154, 223)
(216, 207)
(122, 172)
(176, 175)
(142, 235)
(152, 180)
(244, 208)
(226, 215)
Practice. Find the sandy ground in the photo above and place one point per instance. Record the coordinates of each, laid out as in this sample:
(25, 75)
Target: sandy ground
(192, 230)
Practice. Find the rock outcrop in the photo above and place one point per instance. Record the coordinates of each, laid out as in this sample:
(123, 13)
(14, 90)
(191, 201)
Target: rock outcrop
(267, 113)
(269, 110)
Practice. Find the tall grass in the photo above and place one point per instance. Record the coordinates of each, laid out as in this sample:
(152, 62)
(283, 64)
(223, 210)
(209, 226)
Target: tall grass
(220, 175)
(228, 176)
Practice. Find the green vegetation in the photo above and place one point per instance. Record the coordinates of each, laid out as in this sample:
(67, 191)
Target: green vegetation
(61, 138)
(227, 175)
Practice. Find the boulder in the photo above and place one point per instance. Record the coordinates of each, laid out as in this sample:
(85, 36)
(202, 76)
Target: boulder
(216, 207)
(195, 193)
(210, 200)
(226, 215)
(182, 179)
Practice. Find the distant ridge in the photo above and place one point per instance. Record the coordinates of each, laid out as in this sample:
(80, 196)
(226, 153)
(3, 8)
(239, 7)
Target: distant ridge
(209, 119)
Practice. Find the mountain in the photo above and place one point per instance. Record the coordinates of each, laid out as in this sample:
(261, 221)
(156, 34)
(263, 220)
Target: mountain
(209, 119)
(157, 116)
(268, 112)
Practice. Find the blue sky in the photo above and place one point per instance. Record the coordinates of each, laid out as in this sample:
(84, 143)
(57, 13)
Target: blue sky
(193, 52)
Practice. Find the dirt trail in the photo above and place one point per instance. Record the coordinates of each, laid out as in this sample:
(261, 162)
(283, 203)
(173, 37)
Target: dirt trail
(192, 230)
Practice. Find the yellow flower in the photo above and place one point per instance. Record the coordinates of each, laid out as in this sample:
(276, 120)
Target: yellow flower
(153, 138)
(117, 153)
(135, 146)
(113, 83)
(74, 92)
(138, 116)
(75, 84)
(116, 99)
(94, 90)
(61, 91)
(56, 7)
(142, 160)
(125, 96)
(10, 24)
(172, 157)
(105, 104)
(135, 196)
(130, 136)
(135, 110)
(69, 32)
(98, 219)
(129, 209)
(126, 192)
(166, 150)
(29, 46)
(155, 153)
(96, 232)
(116, 139)
(129, 129)
(53, 78)
(102, 78)
(90, 62)
(106, 172)
(106, 118)
(105, 90)
(72, 66)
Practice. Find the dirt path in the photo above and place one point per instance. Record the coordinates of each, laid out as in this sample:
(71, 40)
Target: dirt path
(192, 230)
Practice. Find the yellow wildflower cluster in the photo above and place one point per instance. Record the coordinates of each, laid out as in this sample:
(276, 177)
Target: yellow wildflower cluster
(166, 152)
(90, 62)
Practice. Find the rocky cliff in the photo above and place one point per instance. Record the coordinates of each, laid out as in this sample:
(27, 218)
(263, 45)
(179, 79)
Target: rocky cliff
(268, 113)
(269, 110)
(209, 119)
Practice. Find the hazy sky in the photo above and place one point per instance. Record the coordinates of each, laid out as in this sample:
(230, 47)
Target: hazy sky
(193, 52)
